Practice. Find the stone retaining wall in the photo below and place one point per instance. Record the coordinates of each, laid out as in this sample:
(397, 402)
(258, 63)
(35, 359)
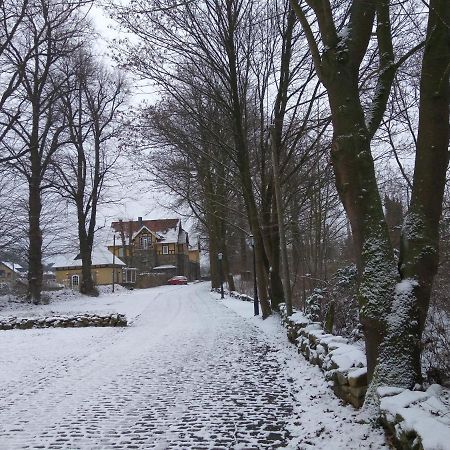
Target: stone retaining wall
(73, 321)
(343, 363)
(415, 420)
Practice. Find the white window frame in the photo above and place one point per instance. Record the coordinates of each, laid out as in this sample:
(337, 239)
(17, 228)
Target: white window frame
(165, 249)
(129, 275)
(72, 281)
(144, 242)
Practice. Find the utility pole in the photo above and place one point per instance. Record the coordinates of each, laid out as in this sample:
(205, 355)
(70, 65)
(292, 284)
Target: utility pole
(220, 256)
(114, 262)
(283, 245)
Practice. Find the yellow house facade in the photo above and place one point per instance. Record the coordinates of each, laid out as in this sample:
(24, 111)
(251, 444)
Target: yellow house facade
(105, 269)
(151, 245)
(10, 271)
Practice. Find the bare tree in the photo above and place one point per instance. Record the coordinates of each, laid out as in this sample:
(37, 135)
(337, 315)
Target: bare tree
(235, 65)
(50, 31)
(11, 190)
(400, 353)
(92, 103)
(12, 18)
(221, 60)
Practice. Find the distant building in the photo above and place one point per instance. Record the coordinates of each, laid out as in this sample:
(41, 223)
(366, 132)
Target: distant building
(68, 268)
(10, 272)
(156, 246)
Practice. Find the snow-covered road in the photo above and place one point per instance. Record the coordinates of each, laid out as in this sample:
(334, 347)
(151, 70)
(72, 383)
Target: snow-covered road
(188, 372)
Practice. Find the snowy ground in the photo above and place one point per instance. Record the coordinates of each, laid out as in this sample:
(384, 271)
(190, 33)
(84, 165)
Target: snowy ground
(191, 371)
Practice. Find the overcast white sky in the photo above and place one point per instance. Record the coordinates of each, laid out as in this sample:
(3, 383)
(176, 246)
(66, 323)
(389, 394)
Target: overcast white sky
(138, 199)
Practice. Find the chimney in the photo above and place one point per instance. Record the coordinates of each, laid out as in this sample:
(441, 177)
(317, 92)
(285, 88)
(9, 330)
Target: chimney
(140, 222)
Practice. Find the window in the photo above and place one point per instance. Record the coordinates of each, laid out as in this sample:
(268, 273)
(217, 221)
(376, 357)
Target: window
(165, 249)
(75, 281)
(129, 275)
(144, 241)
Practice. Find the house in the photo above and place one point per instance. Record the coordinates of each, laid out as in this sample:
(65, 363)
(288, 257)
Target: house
(104, 267)
(155, 246)
(10, 271)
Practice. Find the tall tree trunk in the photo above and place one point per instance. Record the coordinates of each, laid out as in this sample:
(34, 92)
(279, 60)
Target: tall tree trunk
(419, 253)
(356, 184)
(271, 239)
(227, 275)
(237, 103)
(279, 215)
(35, 270)
(276, 285)
(338, 68)
(87, 286)
(260, 256)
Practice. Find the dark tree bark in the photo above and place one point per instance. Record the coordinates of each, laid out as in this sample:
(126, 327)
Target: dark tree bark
(35, 268)
(419, 251)
(338, 68)
(393, 305)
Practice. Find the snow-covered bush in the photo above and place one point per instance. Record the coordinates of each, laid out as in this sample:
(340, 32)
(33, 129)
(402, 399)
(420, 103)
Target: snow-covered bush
(343, 287)
(436, 343)
(314, 304)
(336, 305)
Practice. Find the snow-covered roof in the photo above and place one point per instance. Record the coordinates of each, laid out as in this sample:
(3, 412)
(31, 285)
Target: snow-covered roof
(100, 257)
(17, 267)
(170, 236)
(168, 231)
(164, 266)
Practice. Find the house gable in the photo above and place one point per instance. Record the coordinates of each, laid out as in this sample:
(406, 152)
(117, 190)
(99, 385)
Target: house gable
(144, 238)
(159, 226)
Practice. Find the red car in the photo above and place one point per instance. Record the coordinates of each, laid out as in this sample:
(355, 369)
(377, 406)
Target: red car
(178, 280)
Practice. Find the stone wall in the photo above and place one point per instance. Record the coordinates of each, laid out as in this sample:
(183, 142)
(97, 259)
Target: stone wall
(418, 420)
(414, 420)
(72, 321)
(343, 363)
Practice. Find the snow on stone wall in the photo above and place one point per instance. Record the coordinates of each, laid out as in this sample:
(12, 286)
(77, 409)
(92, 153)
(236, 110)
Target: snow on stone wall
(66, 321)
(419, 420)
(343, 363)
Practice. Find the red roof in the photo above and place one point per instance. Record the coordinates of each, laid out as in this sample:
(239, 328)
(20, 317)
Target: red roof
(159, 225)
